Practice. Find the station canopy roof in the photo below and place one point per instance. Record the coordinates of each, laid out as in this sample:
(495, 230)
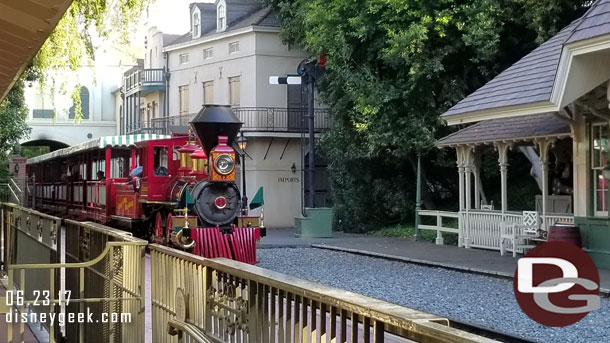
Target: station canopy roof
(99, 143)
(528, 85)
(513, 129)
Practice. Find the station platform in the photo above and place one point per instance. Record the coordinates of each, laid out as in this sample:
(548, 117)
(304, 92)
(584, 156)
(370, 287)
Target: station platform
(479, 261)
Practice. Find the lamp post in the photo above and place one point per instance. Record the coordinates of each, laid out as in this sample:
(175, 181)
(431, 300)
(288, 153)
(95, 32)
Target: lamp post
(242, 143)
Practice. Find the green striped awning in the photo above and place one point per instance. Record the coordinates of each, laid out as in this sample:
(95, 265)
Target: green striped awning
(128, 140)
(99, 143)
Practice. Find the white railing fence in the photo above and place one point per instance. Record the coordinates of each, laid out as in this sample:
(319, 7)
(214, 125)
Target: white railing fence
(482, 228)
(439, 228)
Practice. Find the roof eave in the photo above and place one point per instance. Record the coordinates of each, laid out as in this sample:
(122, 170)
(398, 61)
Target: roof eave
(221, 35)
(439, 144)
(500, 112)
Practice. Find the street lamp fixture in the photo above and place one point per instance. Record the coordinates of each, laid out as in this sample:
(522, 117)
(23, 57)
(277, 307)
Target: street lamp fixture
(242, 143)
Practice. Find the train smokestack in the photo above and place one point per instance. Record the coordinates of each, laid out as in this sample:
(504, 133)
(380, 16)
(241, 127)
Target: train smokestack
(213, 121)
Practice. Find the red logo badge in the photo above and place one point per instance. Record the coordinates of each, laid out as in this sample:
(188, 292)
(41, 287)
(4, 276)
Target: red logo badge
(557, 284)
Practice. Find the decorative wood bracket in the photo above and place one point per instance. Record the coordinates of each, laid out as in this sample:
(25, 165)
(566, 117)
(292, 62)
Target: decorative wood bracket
(502, 148)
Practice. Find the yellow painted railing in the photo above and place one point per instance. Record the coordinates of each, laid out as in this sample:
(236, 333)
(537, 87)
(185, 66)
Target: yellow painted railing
(193, 299)
(100, 271)
(221, 300)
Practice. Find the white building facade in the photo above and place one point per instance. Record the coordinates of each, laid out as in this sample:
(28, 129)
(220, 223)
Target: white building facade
(229, 54)
(52, 114)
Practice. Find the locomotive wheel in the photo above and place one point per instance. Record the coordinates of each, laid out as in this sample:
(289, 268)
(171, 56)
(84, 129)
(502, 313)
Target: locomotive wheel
(160, 220)
(170, 227)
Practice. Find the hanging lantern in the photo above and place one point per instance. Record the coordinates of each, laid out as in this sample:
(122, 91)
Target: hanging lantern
(185, 155)
(199, 159)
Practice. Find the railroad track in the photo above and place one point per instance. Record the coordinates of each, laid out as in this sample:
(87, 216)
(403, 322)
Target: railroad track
(487, 332)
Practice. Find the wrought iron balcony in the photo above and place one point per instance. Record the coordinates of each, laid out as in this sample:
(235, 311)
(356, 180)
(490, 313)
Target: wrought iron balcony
(255, 119)
(144, 79)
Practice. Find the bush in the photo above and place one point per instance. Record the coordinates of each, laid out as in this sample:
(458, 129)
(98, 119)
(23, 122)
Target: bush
(403, 231)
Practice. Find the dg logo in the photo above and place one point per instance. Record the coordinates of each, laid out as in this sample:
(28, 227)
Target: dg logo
(557, 284)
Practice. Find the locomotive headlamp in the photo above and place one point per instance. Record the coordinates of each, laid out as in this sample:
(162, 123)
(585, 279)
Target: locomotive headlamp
(224, 164)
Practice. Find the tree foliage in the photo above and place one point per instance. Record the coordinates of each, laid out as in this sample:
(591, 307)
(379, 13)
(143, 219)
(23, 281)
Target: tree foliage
(13, 112)
(71, 42)
(393, 66)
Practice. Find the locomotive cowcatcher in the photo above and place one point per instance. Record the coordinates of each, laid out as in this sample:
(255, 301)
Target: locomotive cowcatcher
(177, 190)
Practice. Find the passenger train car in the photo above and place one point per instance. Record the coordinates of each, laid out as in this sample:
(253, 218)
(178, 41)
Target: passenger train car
(177, 190)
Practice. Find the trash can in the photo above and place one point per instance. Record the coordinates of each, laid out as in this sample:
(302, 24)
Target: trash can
(565, 232)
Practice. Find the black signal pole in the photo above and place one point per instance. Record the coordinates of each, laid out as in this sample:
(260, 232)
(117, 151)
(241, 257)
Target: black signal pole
(310, 117)
(309, 71)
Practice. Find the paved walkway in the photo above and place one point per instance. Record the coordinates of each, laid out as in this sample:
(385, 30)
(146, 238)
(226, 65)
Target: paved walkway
(471, 260)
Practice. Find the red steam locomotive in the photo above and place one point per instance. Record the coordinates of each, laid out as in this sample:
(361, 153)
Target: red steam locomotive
(175, 190)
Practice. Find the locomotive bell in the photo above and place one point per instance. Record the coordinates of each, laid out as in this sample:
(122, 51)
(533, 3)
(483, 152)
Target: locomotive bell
(213, 121)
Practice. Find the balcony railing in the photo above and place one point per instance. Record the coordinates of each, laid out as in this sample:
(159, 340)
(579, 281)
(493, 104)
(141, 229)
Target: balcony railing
(260, 119)
(144, 77)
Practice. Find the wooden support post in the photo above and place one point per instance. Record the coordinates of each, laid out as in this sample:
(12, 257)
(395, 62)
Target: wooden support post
(439, 234)
(468, 164)
(462, 226)
(502, 148)
(544, 146)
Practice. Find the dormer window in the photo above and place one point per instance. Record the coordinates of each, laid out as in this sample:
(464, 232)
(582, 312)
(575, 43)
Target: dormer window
(196, 25)
(222, 17)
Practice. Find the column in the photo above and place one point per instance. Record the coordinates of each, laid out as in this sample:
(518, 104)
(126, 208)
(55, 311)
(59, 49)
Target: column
(468, 164)
(502, 148)
(460, 164)
(544, 146)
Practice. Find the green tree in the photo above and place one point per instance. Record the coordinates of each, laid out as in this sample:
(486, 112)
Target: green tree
(70, 44)
(393, 66)
(13, 112)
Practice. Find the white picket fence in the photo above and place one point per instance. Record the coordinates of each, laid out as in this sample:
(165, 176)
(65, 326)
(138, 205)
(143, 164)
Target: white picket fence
(481, 228)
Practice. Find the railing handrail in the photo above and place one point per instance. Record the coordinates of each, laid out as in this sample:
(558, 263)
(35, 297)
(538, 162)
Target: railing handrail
(434, 213)
(357, 303)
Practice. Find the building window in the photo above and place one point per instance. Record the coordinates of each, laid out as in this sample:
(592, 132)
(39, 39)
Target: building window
(160, 161)
(196, 25)
(208, 53)
(42, 114)
(208, 92)
(233, 47)
(84, 104)
(599, 151)
(184, 99)
(222, 18)
(184, 58)
(234, 91)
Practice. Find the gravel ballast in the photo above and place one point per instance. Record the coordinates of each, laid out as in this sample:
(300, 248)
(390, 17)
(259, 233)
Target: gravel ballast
(477, 299)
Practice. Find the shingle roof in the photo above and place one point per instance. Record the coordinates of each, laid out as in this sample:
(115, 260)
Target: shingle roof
(169, 38)
(512, 128)
(258, 17)
(531, 79)
(595, 22)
